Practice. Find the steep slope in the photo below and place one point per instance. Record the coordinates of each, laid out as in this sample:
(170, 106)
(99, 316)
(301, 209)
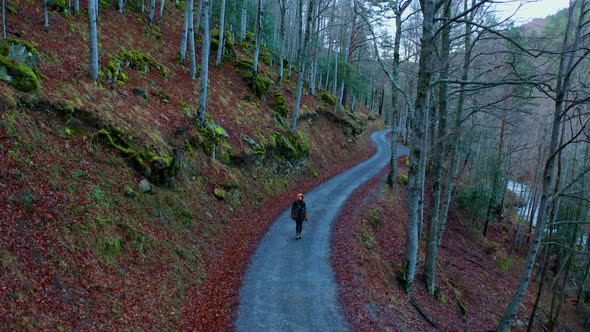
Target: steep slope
(83, 245)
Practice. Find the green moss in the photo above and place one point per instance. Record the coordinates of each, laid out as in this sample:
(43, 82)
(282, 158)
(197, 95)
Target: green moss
(260, 85)
(157, 168)
(328, 98)
(246, 65)
(374, 218)
(57, 5)
(265, 57)
(492, 248)
(153, 31)
(213, 139)
(109, 247)
(18, 75)
(229, 48)
(258, 148)
(278, 98)
(504, 264)
(104, 4)
(250, 37)
(290, 146)
(133, 59)
(402, 179)
(214, 46)
(219, 193)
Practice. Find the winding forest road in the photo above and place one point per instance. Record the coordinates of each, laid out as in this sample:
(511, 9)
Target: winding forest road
(289, 284)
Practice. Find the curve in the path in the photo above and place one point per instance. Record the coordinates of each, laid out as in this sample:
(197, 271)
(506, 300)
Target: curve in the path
(289, 284)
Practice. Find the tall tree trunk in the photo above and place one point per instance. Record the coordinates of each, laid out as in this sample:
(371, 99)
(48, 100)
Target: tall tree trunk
(221, 34)
(162, 5)
(3, 18)
(92, 14)
(45, 15)
(258, 37)
(439, 155)
(417, 149)
(204, 65)
(191, 39)
(243, 21)
(394, 121)
(282, 10)
(455, 137)
(152, 12)
(301, 65)
(185, 32)
(492, 204)
(566, 65)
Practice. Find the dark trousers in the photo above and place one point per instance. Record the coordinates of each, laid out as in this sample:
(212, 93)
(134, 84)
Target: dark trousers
(298, 226)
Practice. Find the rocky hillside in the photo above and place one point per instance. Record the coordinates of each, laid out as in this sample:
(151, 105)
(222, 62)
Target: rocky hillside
(116, 210)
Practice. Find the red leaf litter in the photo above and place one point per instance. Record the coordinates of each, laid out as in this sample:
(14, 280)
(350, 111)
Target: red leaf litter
(367, 258)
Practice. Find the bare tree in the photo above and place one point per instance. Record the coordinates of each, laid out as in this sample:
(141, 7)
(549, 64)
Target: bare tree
(421, 107)
(204, 65)
(92, 15)
(221, 34)
(301, 65)
(570, 59)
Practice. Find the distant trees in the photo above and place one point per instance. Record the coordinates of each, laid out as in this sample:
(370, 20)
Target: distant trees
(573, 54)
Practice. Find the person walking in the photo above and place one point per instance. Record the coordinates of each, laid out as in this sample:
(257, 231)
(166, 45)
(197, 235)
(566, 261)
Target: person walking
(299, 214)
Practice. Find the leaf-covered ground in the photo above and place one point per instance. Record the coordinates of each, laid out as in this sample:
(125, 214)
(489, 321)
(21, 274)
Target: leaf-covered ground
(368, 249)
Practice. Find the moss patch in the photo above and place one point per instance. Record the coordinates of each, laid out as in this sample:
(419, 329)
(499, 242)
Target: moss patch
(328, 98)
(158, 168)
(133, 59)
(18, 75)
(213, 140)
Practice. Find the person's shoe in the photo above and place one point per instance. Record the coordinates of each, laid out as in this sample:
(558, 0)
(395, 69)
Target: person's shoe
(298, 236)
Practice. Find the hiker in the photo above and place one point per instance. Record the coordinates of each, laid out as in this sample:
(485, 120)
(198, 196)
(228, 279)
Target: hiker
(299, 214)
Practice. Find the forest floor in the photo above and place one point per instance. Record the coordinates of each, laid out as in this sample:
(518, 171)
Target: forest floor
(83, 249)
(475, 275)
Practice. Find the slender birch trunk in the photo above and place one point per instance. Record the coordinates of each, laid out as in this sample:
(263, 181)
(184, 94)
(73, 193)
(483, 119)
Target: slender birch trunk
(92, 14)
(204, 65)
(221, 34)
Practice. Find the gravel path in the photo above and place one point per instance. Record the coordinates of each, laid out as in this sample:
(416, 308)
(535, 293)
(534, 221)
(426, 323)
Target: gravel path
(289, 285)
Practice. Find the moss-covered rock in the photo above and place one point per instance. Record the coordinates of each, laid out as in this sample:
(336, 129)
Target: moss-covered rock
(20, 51)
(213, 140)
(280, 109)
(18, 75)
(328, 98)
(258, 148)
(290, 146)
(113, 72)
(260, 85)
(351, 123)
(157, 168)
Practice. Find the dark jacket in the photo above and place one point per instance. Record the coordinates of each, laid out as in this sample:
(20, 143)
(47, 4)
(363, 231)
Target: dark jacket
(298, 211)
